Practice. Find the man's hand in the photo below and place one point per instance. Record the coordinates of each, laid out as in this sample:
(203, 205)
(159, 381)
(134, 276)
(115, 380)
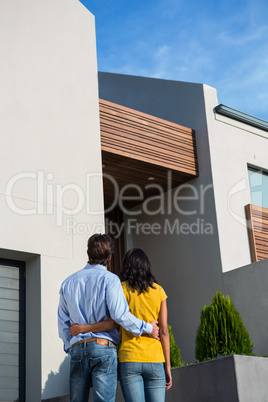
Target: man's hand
(75, 329)
(155, 331)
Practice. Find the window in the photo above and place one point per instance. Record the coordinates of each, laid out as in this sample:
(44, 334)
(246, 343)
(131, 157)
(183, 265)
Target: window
(258, 182)
(12, 330)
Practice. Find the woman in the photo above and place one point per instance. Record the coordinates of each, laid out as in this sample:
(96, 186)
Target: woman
(144, 362)
(143, 376)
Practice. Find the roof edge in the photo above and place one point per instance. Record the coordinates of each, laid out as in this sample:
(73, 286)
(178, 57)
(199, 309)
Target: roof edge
(241, 116)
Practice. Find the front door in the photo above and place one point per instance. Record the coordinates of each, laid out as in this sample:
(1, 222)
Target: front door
(114, 224)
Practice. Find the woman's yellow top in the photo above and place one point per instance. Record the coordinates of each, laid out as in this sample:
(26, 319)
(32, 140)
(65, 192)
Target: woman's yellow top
(145, 306)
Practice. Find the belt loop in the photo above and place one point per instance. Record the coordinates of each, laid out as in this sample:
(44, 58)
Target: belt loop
(85, 346)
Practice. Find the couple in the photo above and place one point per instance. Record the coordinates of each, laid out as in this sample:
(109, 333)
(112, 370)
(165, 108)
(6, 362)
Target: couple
(93, 302)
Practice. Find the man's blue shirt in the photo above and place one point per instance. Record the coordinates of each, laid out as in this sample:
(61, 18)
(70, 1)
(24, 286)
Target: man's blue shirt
(91, 295)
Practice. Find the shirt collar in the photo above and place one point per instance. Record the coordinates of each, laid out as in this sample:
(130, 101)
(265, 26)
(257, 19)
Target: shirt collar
(98, 266)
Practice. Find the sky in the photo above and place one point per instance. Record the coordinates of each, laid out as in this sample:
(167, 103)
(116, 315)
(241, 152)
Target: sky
(223, 44)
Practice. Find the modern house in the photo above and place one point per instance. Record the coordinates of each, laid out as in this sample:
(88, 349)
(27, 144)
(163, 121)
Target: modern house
(158, 164)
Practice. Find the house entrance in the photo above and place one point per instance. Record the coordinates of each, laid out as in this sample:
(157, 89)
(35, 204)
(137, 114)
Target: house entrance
(113, 221)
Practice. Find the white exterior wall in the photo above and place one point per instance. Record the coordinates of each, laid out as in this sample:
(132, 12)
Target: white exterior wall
(233, 146)
(49, 124)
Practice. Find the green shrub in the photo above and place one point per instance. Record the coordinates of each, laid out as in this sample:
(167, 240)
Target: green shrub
(175, 355)
(221, 331)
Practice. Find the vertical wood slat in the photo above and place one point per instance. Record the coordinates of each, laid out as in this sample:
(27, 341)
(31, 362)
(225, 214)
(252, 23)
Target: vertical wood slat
(257, 218)
(143, 137)
(251, 233)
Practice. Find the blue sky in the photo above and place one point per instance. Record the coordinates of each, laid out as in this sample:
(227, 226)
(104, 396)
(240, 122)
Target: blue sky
(223, 44)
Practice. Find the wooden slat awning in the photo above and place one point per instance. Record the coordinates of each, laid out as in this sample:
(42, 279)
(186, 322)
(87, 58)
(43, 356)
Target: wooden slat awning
(137, 147)
(258, 231)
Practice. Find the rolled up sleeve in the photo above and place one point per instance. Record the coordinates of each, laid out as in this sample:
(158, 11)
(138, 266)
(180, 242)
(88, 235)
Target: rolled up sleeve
(64, 323)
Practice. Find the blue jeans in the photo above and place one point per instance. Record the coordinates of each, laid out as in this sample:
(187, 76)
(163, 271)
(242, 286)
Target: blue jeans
(93, 363)
(142, 382)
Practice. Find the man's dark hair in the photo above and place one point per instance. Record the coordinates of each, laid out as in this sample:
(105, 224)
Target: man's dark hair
(136, 270)
(100, 247)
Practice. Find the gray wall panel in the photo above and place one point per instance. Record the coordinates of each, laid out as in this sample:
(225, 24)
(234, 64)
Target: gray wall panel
(9, 371)
(8, 395)
(10, 359)
(6, 348)
(247, 288)
(10, 326)
(9, 272)
(8, 293)
(9, 304)
(9, 382)
(9, 315)
(9, 337)
(9, 283)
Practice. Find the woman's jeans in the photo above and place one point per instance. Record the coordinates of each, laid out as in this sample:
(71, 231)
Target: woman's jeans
(96, 363)
(142, 382)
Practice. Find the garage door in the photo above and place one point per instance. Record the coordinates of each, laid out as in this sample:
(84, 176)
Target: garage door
(12, 330)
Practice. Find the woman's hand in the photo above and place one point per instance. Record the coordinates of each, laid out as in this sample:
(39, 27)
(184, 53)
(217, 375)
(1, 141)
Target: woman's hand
(168, 378)
(75, 329)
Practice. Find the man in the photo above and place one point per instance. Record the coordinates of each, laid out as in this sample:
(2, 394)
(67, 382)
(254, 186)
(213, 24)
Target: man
(88, 296)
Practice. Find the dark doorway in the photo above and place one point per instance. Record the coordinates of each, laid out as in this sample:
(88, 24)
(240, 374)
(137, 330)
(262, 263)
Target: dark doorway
(114, 224)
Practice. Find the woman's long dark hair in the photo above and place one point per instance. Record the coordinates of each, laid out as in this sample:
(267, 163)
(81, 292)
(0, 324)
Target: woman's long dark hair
(136, 270)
